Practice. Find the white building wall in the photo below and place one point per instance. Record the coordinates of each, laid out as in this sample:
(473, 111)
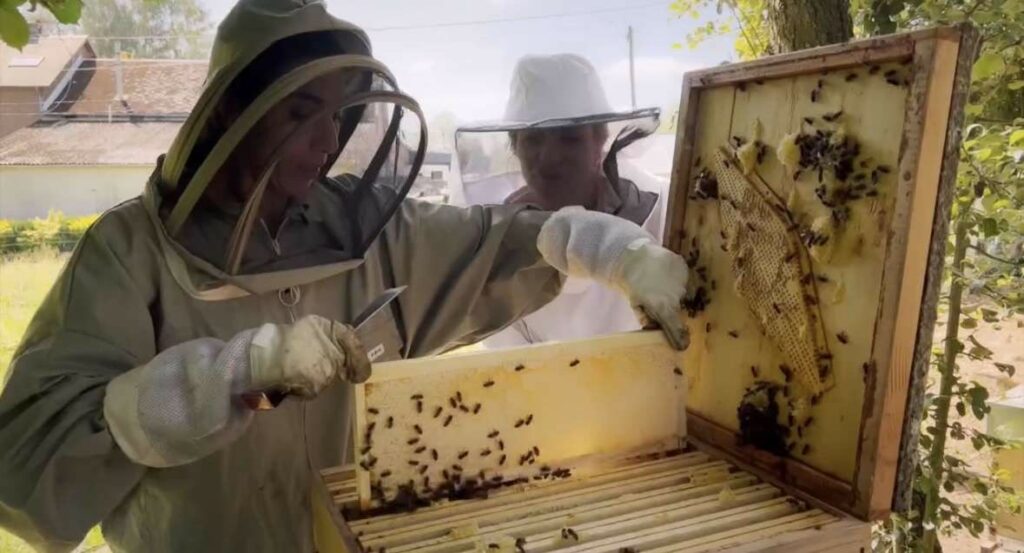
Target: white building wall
(29, 191)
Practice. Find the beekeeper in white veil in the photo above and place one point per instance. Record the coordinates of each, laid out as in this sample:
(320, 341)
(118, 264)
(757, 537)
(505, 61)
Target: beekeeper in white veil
(559, 146)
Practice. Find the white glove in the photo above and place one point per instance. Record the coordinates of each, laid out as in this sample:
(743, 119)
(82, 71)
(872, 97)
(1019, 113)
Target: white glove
(185, 403)
(304, 357)
(619, 253)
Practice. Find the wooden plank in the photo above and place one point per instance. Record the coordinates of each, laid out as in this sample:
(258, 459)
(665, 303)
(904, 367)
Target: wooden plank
(969, 46)
(920, 166)
(842, 536)
(516, 413)
(826, 491)
(831, 57)
(682, 162)
(331, 533)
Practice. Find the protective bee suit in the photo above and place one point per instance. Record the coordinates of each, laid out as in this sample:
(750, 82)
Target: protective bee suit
(552, 92)
(122, 405)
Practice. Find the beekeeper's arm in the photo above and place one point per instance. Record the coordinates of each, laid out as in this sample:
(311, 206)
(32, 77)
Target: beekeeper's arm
(473, 271)
(89, 403)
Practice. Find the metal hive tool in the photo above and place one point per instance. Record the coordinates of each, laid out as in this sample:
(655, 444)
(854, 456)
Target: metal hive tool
(773, 273)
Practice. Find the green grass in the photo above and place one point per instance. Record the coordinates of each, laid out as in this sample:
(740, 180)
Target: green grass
(24, 281)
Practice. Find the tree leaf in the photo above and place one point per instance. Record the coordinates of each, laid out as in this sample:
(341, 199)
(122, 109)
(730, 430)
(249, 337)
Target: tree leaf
(961, 409)
(968, 322)
(1006, 368)
(13, 27)
(1015, 85)
(66, 11)
(990, 227)
(979, 349)
(1016, 136)
(988, 64)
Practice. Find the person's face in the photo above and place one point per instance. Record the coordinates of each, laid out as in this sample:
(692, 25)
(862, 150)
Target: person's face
(561, 164)
(303, 131)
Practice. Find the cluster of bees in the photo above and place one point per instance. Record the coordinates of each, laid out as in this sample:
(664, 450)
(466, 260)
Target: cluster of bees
(451, 479)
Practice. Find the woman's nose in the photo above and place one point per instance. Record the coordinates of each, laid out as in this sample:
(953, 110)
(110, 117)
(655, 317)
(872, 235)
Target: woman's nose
(325, 135)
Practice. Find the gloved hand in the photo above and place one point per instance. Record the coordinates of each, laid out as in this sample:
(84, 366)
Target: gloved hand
(185, 403)
(619, 253)
(304, 357)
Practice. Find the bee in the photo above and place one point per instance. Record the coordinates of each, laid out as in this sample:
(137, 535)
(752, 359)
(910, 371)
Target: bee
(365, 450)
(458, 396)
(776, 307)
(707, 326)
(755, 372)
(519, 368)
(463, 454)
(807, 449)
(536, 450)
(885, 169)
(742, 87)
(457, 467)
(412, 441)
(851, 77)
(444, 473)
(528, 420)
(734, 334)
(815, 399)
(808, 422)
(433, 454)
(521, 545)
(493, 434)
(437, 411)
(873, 69)
(570, 533)
(519, 423)
(501, 460)
(821, 278)
(789, 419)
(485, 452)
(574, 362)
(786, 371)
(476, 408)
(832, 117)
(809, 120)
(372, 410)
(815, 94)
(420, 449)
(385, 473)
(413, 462)
(843, 337)
(447, 420)
(497, 479)
(463, 408)
(416, 397)
(417, 428)
(501, 445)
(365, 465)
(488, 384)
(423, 468)
(391, 422)
(419, 406)
(678, 371)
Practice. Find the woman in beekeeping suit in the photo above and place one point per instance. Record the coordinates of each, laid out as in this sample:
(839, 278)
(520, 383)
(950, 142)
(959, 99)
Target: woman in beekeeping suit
(235, 272)
(559, 146)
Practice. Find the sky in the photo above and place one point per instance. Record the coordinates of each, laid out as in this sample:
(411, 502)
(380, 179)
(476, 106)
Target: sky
(464, 69)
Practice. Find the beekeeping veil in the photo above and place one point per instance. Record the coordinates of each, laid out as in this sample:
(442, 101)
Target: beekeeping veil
(359, 189)
(546, 92)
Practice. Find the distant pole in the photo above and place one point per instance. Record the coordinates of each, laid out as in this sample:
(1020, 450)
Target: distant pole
(632, 78)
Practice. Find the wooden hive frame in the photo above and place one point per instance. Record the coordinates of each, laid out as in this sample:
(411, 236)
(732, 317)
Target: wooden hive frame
(925, 175)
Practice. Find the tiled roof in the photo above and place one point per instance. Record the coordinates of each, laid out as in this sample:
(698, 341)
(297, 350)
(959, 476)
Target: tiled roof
(87, 143)
(149, 87)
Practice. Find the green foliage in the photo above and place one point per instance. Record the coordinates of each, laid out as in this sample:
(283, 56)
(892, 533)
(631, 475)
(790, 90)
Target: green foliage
(14, 28)
(55, 231)
(746, 18)
(177, 28)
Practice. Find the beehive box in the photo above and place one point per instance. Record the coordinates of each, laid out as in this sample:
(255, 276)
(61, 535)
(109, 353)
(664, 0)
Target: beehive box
(621, 444)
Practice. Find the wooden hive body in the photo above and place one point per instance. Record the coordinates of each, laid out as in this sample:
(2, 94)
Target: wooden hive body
(620, 443)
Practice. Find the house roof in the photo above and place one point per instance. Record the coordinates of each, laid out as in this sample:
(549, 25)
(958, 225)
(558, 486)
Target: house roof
(437, 158)
(149, 87)
(38, 65)
(87, 143)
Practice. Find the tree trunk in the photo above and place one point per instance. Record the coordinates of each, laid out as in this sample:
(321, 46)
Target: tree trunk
(799, 24)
